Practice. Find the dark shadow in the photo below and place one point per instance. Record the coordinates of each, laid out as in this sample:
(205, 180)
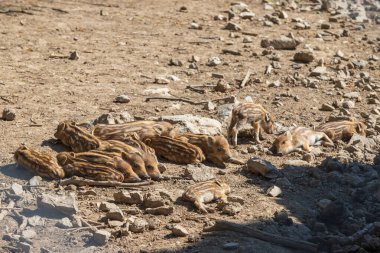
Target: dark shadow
(15, 171)
(55, 145)
(43, 212)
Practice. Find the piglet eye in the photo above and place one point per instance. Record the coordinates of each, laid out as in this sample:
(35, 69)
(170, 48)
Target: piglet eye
(283, 142)
(219, 149)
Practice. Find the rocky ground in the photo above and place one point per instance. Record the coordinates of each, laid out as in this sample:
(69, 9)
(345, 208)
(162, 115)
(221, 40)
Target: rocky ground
(305, 61)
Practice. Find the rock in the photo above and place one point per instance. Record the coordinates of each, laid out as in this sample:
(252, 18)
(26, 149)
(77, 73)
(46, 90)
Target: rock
(237, 199)
(180, 231)
(74, 56)
(283, 182)
(125, 197)
(282, 218)
(304, 56)
(16, 189)
(9, 114)
(162, 210)
(325, 26)
(323, 203)
(362, 141)
(296, 163)
(232, 27)
(232, 208)
(36, 221)
(106, 206)
(261, 167)
(318, 71)
(29, 233)
(274, 191)
(332, 164)
(175, 62)
(139, 225)
(199, 173)
(115, 214)
(352, 95)
(333, 213)
(194, 124)
(153, 199)
(101, 237)
(114, 118)
(213, 61)
(348, 104)
(64, 223)
(25, 247)
(247, 39)
(210, 106)
(35, 181)
(308, 157)
(231, 246)
(282, 43)
(327, 108)
(65, 204)
(122, 99)
(247, 15)
(161, 80)
(340, 84)
(115, 223)
(164, 92)
(222, 86)
(76, 221)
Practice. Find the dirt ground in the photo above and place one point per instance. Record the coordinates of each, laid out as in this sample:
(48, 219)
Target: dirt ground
(122, 47)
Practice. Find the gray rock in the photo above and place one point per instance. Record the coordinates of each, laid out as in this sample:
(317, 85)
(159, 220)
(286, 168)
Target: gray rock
(125, 197)
(16, 189)
(231, 246)
(29, 233)
(232, 27)
(25, 247)
(159, 91)
(237, 199)
(180, 231)
(201, 173)
(194, 124)
(115, 214)
(283, 182)
(351, 95)
(106, 206)
(36, 221)
(213, 61)
(162, 210)
(44, 250)
(318, 71)
(362, 141)
(222, 86)
(327, 108)
(122, 99)
(333, 213)
(232, 208)
(296, 163)
(74, 56)
(323, 203)
(247, 39)
(304, 56)
(139, 225)
(282, 43)
(114, 118)
(274, 191)
(247, 15)
(115, 223)
(35, 181)
(261, 167)
(348, 104)
(65, 204)
(101, 237)
(153, 199)
(64, 223)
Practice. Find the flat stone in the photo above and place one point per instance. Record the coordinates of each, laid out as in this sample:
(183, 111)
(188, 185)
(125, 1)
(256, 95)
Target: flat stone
(101, 237)
(318, 71)
(122, 99)
(35, 181)
(351, 95)
(64, 223)
(115, 214)
(274, 191)
(16, 189)
(114, 118)
(232, 208)
(25, 247)
(199, 174)
(36, 221)
(261, 167)
(327, 108)
(232, 27)
(304, 56)
(237, 199)
(213, 61)
(29, 233)
(165, 92)
(65, 204)
(106, 206)
(180, 231)
(139, 225)
(162, 210)
(282, 43)
(153, 199)
(296, 163)
(125, 197)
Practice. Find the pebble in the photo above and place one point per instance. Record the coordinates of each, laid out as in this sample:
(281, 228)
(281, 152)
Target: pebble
(327, 108)
(232, 208)
(325, 26)
(274, 191)
(323, 203)
(29, 233)
(139, 225)
(122, 99)
(115, 214)
(9, 114)
(25, 247)
(348, 104)
(247, 39)
(74, 56)
(64, 223)
(17, 189)
(304, 56)
(106, 206)
(125, 197)
(101, 237)
(35, 181)
(213, 61)
(65, 204)
(232, 27)
(162, 210)
(180, 231)
(318, 71)
(351, 95)
(262, 167)
(199, 174)
(222, 86)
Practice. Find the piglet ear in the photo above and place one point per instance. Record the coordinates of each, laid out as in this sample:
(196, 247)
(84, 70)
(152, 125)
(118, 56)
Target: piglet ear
(288, 134)
(210, 141)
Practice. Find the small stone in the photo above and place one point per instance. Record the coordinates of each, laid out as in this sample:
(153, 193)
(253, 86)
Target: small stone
(29, 233)
(348, 104)
(125, 197)
(210, 106)
(35, 181)
(153, 199)
(318, 71)
(232, 208)
(304, 56)
(161, 80)
(103, 13)
(352, 95)
(25, 247)
(199, 174)
(325, 26)
(106, 206)
(195, 25)
(162, 210)
(261, 167)
(74, 56)
(282, 43)
(36, 221)
(9, 114)
(323, 203)
(16, 189)
(234, 198)
(232, 27)
(122, 99)
(195, 58)
(115, 214)
(222, 86)
(44, 250)
(219, 17)
(115, 223)
(180, 231)
(340, 84)
(327, 108)
(247, 39)
(231, 246)
(65, 204)
(101, 237)
(139, 225)
(175, 62)
(274, 191)
(309, 157)
(213, 61)
(64, 223)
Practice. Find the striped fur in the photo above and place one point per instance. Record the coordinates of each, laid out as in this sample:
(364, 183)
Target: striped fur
(342, 129)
